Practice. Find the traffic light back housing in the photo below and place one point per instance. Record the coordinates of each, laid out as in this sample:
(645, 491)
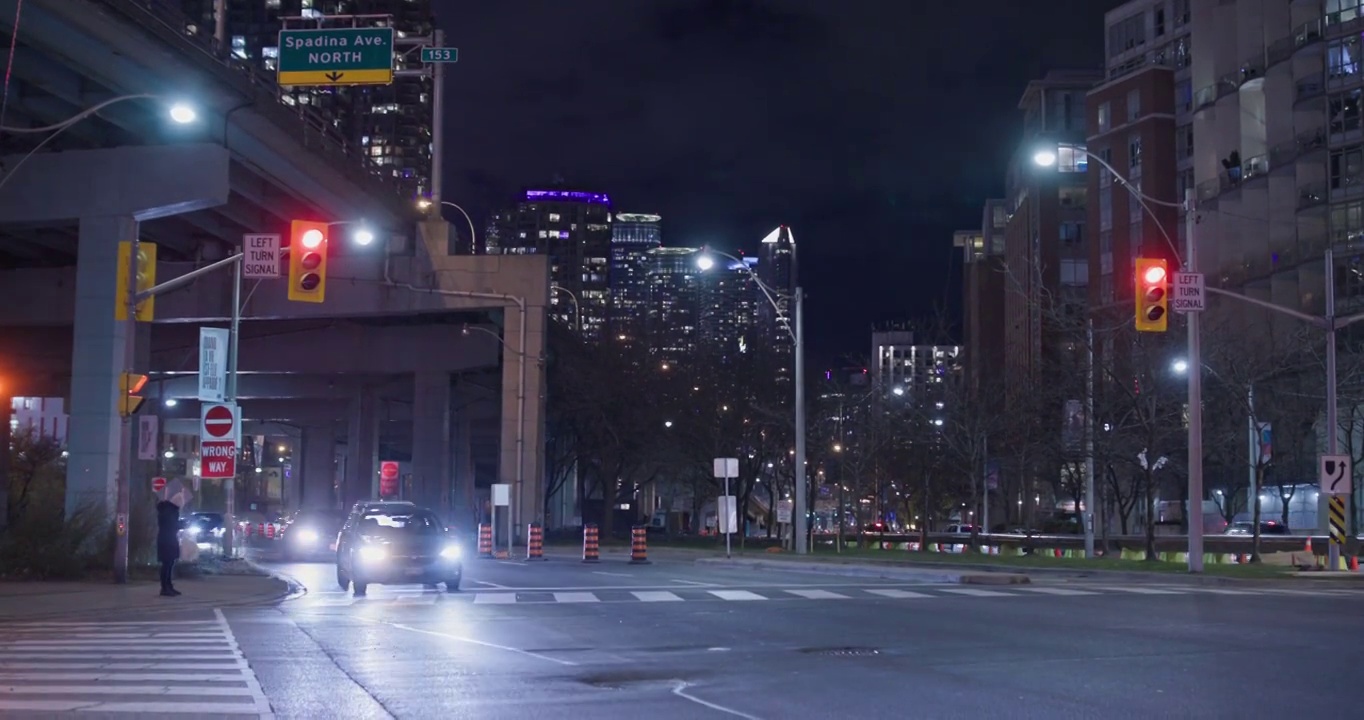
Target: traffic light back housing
(1152, 289)
(146, 279)
(307, 261)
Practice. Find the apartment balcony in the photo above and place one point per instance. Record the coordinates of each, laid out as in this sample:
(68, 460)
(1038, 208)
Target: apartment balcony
(1308, 36)
(1228, 84)
(1209, 189)
(1280, 50)
(1348, 187)
(1311, 195)
(1309, 89)
(1204, 97)
(1343, 22)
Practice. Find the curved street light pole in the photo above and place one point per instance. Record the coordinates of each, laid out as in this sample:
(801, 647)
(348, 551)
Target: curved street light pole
(577, 308)
(473, 234)
(799, 516)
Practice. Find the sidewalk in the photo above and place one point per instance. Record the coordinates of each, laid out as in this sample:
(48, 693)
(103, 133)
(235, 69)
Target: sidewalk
(47, 600)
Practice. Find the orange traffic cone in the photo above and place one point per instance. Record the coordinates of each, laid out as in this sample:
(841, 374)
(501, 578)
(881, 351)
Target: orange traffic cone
(1354, 563)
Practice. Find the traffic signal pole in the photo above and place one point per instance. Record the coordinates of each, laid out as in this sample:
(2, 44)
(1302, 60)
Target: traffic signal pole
(233, 341)
(1195, 506)
(122, 482)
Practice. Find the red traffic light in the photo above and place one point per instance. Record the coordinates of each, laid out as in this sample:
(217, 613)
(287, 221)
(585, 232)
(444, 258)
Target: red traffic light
(1154, 275)
(312, 239)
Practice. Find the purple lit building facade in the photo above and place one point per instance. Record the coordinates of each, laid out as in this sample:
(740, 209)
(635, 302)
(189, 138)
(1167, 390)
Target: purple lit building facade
(574, 228)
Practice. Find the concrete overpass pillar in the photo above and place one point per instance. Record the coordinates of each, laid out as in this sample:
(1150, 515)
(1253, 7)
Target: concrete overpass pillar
(99, 351)
(463, 509)
(319, 468)
(362, 449)
(522, 444)
(431, 439)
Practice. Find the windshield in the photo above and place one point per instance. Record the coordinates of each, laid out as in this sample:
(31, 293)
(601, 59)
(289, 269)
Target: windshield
(387, 524)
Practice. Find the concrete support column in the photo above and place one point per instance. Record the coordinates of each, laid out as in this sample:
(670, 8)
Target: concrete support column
(431, 439)
(97, 359)
(319, 468)
(362, 448)
(523, 415)
(463, 506)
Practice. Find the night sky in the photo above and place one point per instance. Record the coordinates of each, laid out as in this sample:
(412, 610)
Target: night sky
(874, 128)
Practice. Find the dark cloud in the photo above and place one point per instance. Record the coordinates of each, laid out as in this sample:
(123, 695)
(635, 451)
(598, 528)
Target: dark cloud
(874, 128)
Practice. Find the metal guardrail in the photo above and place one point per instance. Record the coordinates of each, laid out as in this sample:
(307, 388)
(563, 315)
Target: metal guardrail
(1164, 543)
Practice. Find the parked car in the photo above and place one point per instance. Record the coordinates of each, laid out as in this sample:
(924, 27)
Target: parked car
(1267, 527)
(396, 544)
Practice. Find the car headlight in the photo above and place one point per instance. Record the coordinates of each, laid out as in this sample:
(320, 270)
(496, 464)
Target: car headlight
(307, 536)
(193, 531)
(373, 554)
(450, 552)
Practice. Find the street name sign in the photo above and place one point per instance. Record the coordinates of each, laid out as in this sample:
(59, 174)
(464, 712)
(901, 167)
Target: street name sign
(261, 259)
(218, 433)
(336, 56)
(1335, 475)
(212, 363)
(1189, 293)
(440, 55)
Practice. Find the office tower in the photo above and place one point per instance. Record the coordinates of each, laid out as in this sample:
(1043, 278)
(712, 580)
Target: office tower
(728, 309)
(674, 299)
(777, 268)
(632, 237)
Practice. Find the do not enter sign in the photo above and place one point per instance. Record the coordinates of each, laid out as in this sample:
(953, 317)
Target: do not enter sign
(219, 421)
(158, 484)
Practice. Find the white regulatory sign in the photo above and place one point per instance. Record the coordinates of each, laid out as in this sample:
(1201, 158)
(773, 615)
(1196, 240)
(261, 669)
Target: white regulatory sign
(1335, 475)
(1188, 294)
(261, 256)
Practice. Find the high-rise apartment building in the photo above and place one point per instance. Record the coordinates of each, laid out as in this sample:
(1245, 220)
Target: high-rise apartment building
(390, 124)
(984, 279)
(574, 228)
(1045, 246)
(632, 237)
(777, 269)
(916, 370)
(674, 302)
(728, 309)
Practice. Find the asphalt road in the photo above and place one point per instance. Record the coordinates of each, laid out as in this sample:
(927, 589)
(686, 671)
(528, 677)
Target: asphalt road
(675, 640)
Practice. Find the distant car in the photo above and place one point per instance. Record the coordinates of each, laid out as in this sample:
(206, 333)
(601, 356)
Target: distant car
(202, 527)
(875, 527)
(310, 533)
(960, 529)
(396, 544)
(1269, 527)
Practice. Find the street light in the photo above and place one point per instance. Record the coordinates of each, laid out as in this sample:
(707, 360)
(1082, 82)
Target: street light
(426, 203)
(1047, 157)
(705, 262)
(1180, 366)
(183, 113)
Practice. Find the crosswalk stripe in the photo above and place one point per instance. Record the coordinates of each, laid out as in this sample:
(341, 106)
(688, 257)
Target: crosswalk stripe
(1223, 591)
(977, 593)
(181, 708)
(819, 595)
(1142, 590)
(123, 690)
(575, 597)
(416, 600)
(897, 594)
(656, 596)
(494, 598)
(114, 676)
(736, 595)
(1055, 591)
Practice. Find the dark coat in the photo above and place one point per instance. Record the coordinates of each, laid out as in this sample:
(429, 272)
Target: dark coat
(167, 531)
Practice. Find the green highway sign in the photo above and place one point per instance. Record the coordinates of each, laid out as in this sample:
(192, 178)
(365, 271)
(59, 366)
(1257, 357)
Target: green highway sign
(440, 55)
(336, 56)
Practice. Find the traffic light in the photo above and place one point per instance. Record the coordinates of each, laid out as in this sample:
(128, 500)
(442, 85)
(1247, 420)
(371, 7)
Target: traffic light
(130, 384)
(307, 261)
(146, 278)
(1153, 295)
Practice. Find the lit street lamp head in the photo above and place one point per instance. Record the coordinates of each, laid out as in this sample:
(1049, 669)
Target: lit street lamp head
(183, 113)
(1180, 366)
(364, 236)
(705, 262)
(1045, 158)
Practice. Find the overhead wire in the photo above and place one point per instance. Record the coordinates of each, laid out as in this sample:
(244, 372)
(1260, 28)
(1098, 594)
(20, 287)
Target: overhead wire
(9, 67)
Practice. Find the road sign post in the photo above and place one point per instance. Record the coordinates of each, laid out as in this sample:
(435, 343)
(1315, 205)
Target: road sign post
(725, 508)
(261, 261)
(1336, 482)
(336, 56)
(1189, 293)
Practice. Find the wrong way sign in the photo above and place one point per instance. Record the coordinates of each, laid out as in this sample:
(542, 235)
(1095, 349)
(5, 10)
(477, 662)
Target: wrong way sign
(219, 430)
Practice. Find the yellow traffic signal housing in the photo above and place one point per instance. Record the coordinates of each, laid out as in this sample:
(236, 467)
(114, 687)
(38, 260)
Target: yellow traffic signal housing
(129, 399)
(1152, 288)
(307, 261)
(146, 279)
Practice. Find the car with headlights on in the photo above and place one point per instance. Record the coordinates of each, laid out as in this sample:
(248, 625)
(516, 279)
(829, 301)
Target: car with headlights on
(396, 544)
(310, 534)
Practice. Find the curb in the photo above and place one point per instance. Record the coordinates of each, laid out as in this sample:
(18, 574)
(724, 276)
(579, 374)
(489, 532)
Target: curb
(293, 589)
(864, 570)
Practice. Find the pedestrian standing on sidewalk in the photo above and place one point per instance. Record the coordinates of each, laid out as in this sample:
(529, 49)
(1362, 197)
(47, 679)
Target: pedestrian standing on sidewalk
(168, 540)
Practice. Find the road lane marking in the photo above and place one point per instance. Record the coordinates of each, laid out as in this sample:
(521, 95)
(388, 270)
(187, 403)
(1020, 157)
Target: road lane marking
(471, 641)
(121, 689)
(1055, 591)
(736, 595)
(1141, 590)
(1223, 591)
(819, 595)
(116, 676)
(680, 690)
(624, 575)
(494, 598)
(896, 594)
(191, 709)
(977, 593)
(492, 585)
(656, 596)
(575, 597)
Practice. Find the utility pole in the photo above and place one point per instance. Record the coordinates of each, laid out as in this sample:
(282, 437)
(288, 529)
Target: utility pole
(1195, 396)
(1088, 517)
(1332, 439)
(122, 501)
(233, 343)
(438, 125)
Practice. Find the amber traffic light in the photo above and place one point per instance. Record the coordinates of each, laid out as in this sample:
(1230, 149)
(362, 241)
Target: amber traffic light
(307, 261)
(146, 279)
(1153, 295)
